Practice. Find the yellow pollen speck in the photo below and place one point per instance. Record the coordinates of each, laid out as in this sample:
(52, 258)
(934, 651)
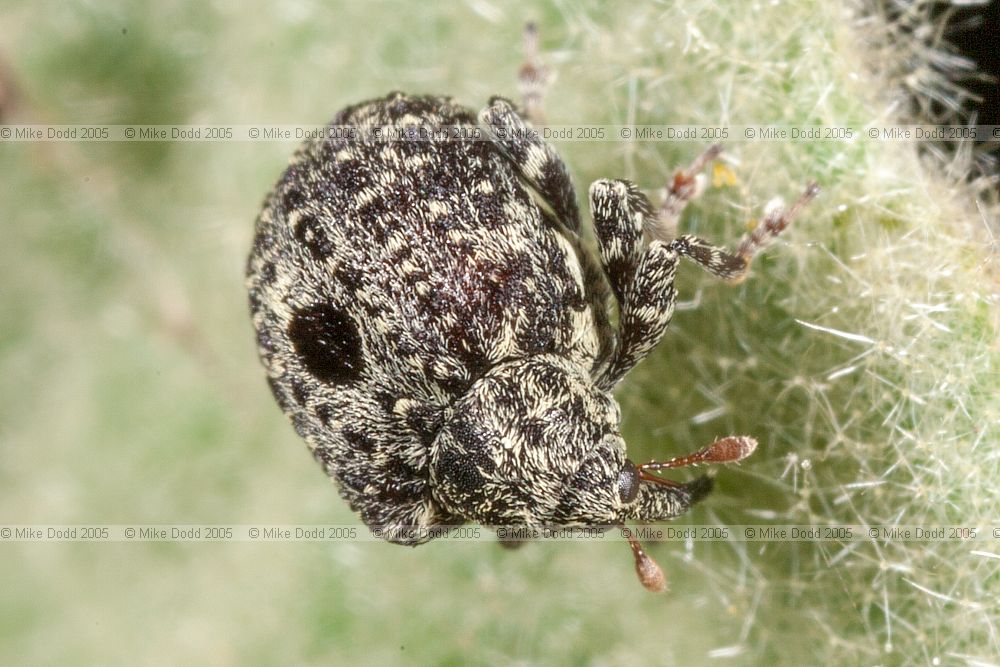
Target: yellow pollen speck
(722, 176)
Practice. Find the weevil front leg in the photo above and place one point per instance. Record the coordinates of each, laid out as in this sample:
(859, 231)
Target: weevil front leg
(735, 266)
(643, 280)
(539, 166)
(533, 159)
(512, 131)
(686, 185)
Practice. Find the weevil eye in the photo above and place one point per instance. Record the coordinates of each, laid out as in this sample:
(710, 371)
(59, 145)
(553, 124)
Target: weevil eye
(628, 482)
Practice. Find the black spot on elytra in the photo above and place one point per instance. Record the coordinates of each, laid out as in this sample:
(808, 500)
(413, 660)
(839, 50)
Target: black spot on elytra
(309, 232)
(349, 176)
(348, 275)
(399, 490)
(256, 301)
(293, 198)
(398, 493)
(328, 344)
(268, 273)
(265, 342)
(299, 392)
(359, 440)
(325, 414)
(386, 400)
(375, 211)
(401, 105)
(326, 457)
(262, 240)
(454, 386)
(426, 421)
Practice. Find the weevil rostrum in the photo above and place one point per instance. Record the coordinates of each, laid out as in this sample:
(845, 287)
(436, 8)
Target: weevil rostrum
(436, 331)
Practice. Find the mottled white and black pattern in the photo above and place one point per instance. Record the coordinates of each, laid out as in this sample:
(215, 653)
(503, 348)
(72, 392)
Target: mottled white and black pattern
(441, 340)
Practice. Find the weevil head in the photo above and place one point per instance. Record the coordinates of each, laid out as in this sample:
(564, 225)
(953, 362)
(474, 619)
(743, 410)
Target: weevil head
(534, 442)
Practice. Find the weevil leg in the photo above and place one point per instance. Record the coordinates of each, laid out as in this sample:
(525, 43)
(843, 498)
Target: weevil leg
(735, 266)
(686, 185)
(645, 310)
(619, 211)
(540, 167)
(534, 160)
(776, 219)
(643, 281)
(534, 77)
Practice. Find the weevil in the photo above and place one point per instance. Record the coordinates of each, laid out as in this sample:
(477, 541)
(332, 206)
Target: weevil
(436, 330)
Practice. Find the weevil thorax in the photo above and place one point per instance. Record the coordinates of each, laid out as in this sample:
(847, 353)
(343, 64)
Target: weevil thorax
(533, 442)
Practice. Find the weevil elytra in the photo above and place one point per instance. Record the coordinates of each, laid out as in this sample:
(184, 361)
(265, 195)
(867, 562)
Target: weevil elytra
(436, 330)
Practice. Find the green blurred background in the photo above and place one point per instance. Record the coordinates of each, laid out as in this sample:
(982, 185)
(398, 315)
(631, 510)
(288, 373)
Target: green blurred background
(130, 389)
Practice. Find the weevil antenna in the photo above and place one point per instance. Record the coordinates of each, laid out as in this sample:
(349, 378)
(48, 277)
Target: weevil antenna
(648, 570)
(724, 450)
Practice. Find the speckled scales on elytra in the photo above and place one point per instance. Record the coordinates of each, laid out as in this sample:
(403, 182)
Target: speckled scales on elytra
(440, 265)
